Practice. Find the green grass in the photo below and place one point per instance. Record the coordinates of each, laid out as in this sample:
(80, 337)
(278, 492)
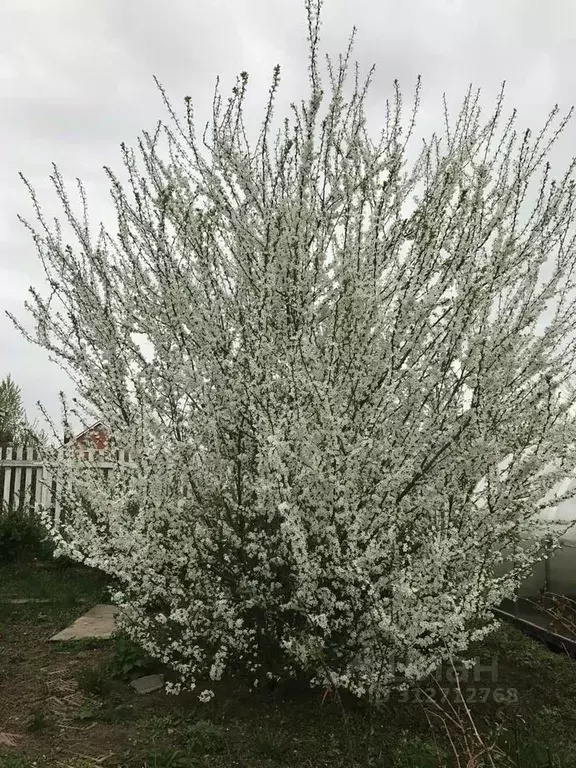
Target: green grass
(70, 592)
(31, 580)
(14, 761)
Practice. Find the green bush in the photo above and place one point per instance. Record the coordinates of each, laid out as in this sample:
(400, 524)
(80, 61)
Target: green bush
(22, 535)
(128, 661)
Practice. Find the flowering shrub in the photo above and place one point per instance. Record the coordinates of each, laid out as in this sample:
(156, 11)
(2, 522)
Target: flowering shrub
(344, 354)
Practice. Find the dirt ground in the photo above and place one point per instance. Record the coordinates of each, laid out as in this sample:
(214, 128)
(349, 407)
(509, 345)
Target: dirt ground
(61, 708)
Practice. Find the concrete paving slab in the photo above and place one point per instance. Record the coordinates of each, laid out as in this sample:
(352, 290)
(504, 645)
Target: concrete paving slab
(97, 623)
(148, 684)
(27, 600)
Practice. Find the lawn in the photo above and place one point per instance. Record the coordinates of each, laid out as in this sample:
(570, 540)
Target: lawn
(70, 705)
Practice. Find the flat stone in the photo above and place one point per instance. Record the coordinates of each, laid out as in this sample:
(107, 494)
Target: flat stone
(26, 600)
(148, 684)
(97, 623)
(34, 600)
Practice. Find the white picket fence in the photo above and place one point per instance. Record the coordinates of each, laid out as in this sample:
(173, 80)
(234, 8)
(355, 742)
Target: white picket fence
(26, 483)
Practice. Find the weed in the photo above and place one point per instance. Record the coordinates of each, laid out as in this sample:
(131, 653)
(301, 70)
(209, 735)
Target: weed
(129, 660)
(197, 739)
(204, 737)
(265, 745)
(169, 758)
(158, 726)
(105, 712)
(412, 751)
(94, 680)
(14, 761)
(118, 713)
(89, 712)
(36, 722)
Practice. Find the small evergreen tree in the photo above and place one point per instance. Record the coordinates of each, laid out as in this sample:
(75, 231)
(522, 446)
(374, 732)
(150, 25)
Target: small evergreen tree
(14, 425)
(11, 410)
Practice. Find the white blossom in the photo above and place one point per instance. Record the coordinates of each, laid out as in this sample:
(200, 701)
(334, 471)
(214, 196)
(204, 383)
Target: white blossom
(333, 383)
(206, 696)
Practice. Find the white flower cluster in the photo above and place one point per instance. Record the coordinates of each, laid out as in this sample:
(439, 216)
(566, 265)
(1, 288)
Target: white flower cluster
(334, 382)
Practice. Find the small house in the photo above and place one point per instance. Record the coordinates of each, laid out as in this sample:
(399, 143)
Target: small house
(92, 437)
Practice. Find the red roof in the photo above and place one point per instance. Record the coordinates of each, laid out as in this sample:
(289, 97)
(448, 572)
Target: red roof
(96, 434)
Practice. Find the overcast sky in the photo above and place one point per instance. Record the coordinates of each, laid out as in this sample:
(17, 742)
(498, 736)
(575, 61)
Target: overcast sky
(76, 81)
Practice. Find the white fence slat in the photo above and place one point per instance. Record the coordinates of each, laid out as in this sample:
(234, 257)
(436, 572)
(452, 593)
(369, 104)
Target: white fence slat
(26, 482)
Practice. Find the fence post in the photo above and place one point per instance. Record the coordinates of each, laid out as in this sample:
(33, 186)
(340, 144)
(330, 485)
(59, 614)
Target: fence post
(22, 475)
